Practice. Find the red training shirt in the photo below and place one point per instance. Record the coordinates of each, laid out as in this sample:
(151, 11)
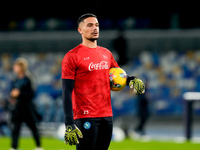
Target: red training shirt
(89, 68)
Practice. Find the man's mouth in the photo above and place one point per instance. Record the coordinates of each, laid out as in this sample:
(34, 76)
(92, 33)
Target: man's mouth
(95, 33)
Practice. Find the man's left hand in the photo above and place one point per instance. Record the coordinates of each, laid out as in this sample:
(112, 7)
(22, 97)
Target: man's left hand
(138, 86)
(15, 93)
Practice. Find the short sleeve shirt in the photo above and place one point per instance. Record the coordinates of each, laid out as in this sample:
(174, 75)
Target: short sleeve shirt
(89, 68)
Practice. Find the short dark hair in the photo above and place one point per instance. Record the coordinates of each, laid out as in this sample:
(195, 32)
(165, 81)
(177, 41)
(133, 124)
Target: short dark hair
(84, 16)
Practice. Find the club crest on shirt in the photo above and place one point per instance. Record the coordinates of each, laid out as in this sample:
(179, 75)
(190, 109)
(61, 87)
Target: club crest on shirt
(98, 66)
(87, 125)
(105, 57)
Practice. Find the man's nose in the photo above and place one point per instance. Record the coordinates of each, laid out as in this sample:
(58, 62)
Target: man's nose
(95, 27)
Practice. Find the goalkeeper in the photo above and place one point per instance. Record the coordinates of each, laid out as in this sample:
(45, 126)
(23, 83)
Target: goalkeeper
(86, 89)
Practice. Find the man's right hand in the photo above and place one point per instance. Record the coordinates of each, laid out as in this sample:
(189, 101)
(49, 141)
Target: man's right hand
(71, 134)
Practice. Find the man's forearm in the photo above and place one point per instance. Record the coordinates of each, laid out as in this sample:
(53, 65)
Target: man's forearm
(67, 88)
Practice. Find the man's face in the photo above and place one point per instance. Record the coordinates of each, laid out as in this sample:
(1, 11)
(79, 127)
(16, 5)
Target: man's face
(17, 69)
(89, 28)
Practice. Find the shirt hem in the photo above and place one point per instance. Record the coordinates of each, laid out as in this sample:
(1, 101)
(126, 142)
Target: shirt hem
(68, 78)
(80, 117)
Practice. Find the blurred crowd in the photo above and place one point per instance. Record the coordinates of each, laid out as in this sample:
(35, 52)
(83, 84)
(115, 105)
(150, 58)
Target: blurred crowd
(140, 15)
(167, 76)
(32, 24)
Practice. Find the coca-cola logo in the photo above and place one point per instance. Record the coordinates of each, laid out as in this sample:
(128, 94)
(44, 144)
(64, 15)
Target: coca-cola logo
(98, 66)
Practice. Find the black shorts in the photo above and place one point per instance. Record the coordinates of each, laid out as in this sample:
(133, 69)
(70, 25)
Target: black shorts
(97, 133)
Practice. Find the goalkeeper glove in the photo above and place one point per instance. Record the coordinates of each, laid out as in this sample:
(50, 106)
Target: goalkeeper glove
(71, 134)
(138, 85)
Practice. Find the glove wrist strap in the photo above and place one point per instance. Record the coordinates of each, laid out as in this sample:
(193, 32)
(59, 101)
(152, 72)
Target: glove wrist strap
(129, 78)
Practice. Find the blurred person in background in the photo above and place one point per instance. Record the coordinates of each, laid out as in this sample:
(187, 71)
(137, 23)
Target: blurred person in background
(142, 113)
(23, 109)
(120, 46)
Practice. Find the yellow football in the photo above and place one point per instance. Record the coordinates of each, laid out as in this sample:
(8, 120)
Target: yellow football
(117, 79)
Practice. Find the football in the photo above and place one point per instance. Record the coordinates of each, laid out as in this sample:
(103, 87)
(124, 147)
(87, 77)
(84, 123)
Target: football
(117, 79)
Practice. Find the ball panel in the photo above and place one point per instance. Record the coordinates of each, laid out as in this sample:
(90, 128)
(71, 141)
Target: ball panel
(117, 78)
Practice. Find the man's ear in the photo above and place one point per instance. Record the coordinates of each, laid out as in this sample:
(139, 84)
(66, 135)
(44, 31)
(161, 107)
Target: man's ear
(79, 30)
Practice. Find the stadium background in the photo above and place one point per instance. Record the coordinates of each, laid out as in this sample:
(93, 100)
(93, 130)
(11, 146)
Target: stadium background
(163, 49)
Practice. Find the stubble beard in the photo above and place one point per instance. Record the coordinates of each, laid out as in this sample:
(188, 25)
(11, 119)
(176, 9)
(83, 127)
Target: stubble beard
(92, 39)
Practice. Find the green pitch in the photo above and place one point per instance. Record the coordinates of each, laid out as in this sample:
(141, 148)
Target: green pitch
(54, 144)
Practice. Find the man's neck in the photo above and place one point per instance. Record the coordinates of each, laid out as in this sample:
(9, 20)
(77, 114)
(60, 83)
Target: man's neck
(90, 44)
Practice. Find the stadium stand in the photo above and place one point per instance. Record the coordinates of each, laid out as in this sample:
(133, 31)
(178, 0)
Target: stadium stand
(167, 75)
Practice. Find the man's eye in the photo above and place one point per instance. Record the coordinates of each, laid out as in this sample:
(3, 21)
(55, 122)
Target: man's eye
(97, 25)
(89, 25)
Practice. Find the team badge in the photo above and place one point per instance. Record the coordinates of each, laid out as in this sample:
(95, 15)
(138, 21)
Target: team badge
(87, 125)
